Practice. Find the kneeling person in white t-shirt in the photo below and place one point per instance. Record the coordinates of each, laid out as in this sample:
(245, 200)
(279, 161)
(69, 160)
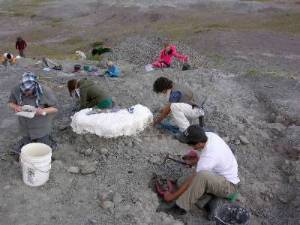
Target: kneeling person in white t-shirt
(181, 103)
(216, 170)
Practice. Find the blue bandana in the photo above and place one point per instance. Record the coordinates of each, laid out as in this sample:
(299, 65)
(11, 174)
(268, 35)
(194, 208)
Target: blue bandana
(29, 83)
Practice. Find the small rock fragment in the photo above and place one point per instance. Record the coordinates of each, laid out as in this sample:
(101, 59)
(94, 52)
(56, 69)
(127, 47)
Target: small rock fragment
(117, 199)
(89, 168)
(276, 127)
(105, 196)
(107, 204)
(226, 139)
(284, 199)
(244, 140)
(91, 222)
(237, 142)
(57, 164)
(73, 169)
(88, 152)
(6, 187)
(103, 151)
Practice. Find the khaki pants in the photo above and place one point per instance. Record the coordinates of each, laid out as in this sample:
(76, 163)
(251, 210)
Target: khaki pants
(205, 182)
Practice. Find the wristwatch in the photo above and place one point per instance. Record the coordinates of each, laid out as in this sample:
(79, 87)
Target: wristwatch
(44, 113)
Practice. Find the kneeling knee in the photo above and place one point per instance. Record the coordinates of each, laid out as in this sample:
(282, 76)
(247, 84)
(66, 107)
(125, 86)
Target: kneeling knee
(205, 174)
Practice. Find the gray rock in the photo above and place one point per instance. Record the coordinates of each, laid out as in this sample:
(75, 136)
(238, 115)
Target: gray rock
(276, 127)
(104, 151)
(89, 168)
(244, 140)
(284, 199)
(6, 187)
(237, 142)
(107, 204)
(88, 152)
(91, 222)
(292, 179)
(57, 164)
(226, 139)
(74, 169)
(104, 196)
(117, 199)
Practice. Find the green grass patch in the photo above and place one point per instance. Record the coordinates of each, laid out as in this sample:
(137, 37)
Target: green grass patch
(263, 0)
(216, 26)
(189, 25)
(217, 59)
(73, 41)
(97, 44)
(37, 35)
(252, 72)
(287, 23)
(54, 22)
(201, 30)
(22, 8)
(257, 0)
(94, 57)
(277, 22)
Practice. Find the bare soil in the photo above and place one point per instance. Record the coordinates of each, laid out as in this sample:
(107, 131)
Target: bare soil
(246, 59)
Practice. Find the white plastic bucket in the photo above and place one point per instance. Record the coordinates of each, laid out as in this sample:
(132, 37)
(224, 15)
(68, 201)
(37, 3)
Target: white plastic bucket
(35, 161)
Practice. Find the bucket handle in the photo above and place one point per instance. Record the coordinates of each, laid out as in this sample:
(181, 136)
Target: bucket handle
(34, 167)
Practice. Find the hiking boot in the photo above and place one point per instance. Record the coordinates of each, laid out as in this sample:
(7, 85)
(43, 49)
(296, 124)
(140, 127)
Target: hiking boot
(201, 121)
(203, 201)
(170, 208)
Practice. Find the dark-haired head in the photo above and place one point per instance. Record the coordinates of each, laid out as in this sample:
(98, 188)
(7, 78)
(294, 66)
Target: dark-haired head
(72, 85)
(162, 84)
(166, 44)
(195, 136)
(169, 52)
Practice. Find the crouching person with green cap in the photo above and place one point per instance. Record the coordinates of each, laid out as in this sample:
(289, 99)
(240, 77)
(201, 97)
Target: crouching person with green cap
(30, 96)
(90, 94)
(216, 170)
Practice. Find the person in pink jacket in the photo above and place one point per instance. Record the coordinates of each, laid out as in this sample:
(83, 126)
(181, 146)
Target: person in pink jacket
(166, 57)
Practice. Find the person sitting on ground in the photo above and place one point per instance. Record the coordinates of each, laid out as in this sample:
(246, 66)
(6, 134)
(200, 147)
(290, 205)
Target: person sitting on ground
(42, 99)
(8, 59)
(112, 70)
(216, 170)
(181, 104)
(89, 94)
(21, 45)
(166, 56)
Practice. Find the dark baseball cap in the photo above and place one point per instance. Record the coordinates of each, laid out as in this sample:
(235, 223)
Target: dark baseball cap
(194, 134)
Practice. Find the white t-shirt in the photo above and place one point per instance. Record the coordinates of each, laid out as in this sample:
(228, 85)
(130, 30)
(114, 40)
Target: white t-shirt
(217, 157)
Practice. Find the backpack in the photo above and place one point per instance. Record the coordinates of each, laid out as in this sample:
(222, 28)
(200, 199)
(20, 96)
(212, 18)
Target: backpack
(186, 66)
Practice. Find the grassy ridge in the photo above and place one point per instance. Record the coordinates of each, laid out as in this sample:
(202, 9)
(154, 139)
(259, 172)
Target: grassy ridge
(288, 23)
(59, 42)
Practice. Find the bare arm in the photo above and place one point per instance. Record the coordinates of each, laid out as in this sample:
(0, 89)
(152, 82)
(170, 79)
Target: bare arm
(48, 110)
(13, 106)
(163, 114)
(169, 197)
